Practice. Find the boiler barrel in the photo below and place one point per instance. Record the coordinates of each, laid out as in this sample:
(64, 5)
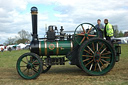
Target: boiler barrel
(55, 48)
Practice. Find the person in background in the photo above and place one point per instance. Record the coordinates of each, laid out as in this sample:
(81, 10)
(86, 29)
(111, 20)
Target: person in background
(108, 30)
(100, 28)
(9, 49)
(2, 50)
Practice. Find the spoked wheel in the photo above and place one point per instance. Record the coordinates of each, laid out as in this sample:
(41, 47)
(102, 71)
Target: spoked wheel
(46, 65)
(29, 66)
(84, 31)
(96, 56)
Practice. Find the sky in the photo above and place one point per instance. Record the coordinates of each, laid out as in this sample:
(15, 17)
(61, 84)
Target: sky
(15, 14)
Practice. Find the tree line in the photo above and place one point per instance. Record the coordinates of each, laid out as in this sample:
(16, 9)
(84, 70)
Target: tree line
(22, 37)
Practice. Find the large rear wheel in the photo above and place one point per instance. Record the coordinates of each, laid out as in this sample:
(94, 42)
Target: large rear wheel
(96, 56)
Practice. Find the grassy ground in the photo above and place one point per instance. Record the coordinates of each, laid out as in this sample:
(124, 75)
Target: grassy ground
(63, 75)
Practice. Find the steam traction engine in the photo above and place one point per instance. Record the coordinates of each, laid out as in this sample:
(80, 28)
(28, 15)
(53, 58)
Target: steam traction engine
(83, 48)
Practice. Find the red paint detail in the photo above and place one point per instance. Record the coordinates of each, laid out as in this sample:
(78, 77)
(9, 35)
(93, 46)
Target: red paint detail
(51, 46)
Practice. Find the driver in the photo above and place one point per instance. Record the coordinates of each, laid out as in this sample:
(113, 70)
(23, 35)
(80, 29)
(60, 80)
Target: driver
(100, 28)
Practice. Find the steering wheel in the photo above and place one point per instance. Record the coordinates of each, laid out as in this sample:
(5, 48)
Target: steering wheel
(84, 32)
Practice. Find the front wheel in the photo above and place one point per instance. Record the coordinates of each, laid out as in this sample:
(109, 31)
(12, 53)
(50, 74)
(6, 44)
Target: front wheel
(29, 66)
(96, 56)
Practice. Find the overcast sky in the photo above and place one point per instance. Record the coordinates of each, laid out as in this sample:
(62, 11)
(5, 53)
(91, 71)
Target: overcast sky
(15, 14)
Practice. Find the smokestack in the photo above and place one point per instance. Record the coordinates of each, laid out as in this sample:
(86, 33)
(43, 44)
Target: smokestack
(34, 12)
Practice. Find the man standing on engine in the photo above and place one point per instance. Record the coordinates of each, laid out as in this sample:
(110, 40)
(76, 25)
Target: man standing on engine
(108, 30)
(100, 28)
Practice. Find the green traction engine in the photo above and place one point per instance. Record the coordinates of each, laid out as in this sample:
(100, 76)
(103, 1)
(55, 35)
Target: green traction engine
(81, 47)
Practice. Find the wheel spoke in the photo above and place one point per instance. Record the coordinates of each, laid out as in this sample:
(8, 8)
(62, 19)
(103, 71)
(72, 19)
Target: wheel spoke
(24, 70)
(24, 62)
(95, 66)
(83, 28)
(103, 50)
(105, 61)
(22, 66)
(89, 62)
(28, 72)
(90, 49)
(36, 64)
(87, 52)
(82, 40)
(34, 61)
(31, 58)
(45, 65)
(86, 59)
(93, 46)
(97, 46)
(87, 38)
(89, 30)
(80, 34)
(91, 66)
(31, 71)
(102, 63)
(35, 70)
(92, 35)
(101, 47)
(99, 67)
(27, 59)
(106, 53)
(87, 56)
(104, 57)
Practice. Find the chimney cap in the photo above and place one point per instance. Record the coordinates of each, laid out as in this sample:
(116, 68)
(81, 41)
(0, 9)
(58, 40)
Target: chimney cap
(34, 9)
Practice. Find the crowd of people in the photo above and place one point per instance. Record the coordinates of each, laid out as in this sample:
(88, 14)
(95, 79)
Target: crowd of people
(9, 49)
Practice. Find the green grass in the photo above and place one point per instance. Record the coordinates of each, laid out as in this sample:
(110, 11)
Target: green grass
(63, 75)
(8, 59)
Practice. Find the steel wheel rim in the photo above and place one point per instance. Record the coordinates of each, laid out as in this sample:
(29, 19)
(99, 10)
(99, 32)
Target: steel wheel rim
(30, 69)
(89, 66)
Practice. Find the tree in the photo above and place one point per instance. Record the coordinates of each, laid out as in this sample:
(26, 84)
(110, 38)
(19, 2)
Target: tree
(21, 41)
(23, 36)
(121, 34)
(10, 41)
(116, 32)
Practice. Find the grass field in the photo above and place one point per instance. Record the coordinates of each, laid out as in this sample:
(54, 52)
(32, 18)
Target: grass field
(63, 75)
